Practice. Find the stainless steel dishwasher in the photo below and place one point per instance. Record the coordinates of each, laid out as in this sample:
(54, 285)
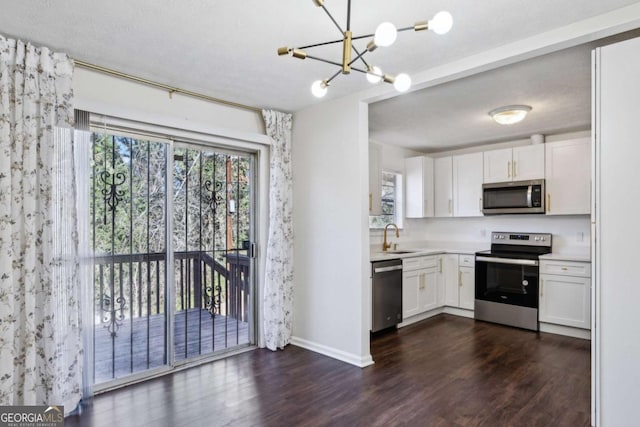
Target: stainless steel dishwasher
(386, 294)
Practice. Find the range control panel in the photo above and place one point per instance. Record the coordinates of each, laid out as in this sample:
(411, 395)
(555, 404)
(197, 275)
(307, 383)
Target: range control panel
(528, 239)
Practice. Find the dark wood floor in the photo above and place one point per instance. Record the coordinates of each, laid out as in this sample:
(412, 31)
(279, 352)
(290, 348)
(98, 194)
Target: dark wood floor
(444, 371)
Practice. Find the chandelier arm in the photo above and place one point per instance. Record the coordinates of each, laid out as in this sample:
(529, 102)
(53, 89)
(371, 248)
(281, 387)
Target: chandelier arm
(366, 36)
(333, 19)
(359, 57)
(321, 44)
(360, 70)
(324, 60)
(349, 15)
(334, 76)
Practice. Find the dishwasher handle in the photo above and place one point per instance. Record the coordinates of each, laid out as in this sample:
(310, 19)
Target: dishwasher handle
(385, 269)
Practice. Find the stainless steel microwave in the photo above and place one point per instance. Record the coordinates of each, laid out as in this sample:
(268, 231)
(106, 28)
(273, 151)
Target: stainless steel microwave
(517, 197)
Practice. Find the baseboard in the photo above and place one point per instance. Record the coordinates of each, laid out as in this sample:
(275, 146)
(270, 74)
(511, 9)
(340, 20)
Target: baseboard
(584, 334)
(334, 353)
(419, 317)
(462, 312)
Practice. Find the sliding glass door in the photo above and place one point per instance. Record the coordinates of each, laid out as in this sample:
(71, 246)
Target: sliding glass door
(171, 233)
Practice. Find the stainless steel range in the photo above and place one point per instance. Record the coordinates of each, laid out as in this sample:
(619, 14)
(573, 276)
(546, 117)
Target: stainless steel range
(507, 279)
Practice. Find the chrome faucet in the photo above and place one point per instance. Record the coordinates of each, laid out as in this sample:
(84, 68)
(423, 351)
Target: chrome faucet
(386, 245)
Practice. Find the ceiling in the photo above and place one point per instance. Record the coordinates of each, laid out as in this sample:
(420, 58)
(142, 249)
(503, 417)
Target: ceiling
(557, 86)
(227, 50)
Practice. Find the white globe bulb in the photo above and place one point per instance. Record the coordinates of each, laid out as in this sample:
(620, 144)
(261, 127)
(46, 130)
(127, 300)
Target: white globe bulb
(318, 89)
(441, 23)
(385, 35)
(402, 82)
(374, 75)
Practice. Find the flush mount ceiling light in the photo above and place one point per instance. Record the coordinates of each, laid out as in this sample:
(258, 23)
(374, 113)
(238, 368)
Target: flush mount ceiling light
(384, 36)
(510, 114)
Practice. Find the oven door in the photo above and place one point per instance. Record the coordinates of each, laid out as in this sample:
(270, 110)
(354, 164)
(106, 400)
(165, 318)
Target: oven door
(507, 280)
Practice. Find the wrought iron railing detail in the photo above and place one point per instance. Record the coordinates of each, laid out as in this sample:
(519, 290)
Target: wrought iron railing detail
(112, 195)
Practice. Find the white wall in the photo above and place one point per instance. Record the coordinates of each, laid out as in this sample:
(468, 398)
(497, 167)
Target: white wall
(330, 181)
(617, 232)
(103, 94)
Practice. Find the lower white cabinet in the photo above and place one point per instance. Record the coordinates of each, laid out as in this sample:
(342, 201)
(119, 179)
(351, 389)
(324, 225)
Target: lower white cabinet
(565, 293)
(459, 277)
(467, 287)
(419, 285)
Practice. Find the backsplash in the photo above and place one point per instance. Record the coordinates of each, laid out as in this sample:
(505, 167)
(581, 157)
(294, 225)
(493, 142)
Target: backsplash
(570, 232)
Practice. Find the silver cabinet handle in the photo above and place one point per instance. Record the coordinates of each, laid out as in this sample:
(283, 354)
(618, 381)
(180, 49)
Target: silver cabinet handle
(508, 169)
(450, 206)
(508, 261)
(385, 269)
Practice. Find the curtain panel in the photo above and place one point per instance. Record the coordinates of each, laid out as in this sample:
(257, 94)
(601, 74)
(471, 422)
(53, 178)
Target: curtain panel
(278, 285)
(40, 340)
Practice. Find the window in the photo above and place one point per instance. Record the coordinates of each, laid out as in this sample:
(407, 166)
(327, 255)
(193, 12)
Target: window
(391, 201)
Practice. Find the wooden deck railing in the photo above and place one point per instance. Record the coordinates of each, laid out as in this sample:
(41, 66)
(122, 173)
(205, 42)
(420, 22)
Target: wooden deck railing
(133, 285)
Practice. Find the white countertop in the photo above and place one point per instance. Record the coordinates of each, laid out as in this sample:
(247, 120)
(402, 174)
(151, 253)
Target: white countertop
(467, 248)
(580, 256)
(429, 248)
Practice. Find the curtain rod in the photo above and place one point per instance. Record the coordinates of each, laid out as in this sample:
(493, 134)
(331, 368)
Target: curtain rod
(168, 88)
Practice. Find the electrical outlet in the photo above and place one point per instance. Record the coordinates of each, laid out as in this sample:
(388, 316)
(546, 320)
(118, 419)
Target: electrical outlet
(483, 233)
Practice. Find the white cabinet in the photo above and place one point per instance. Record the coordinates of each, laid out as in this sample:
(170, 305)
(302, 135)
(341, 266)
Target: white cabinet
(443, 182)
(565, 293)
(467, 184)
(450, 273)
(514, 164)
(568, 177)
(419, 187)
(467, 287)
(375, 179)
(459, 273)
(420, 278)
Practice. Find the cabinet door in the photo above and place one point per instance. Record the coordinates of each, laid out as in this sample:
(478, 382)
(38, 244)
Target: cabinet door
(419, 187)
(375, 180)
(410, 293)
(565, 300)
(467, 287)
(497, 165)
(443, 183)
(428, 294)
(467, 184)
(528, 162)
(568, 177)
(451, 279)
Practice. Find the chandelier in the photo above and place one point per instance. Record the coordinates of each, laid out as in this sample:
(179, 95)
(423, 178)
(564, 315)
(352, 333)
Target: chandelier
(384, 36)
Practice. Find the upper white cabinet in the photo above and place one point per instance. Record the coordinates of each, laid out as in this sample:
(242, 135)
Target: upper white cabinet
(375, 179)
(467, 184)
(443, 181)
(514, 164)
(419, 187)
(568, 176)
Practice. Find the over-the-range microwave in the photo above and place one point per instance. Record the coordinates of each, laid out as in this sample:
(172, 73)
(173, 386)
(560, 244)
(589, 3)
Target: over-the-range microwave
(517, 197)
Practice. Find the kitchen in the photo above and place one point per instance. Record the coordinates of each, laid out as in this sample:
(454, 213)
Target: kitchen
(440, 192)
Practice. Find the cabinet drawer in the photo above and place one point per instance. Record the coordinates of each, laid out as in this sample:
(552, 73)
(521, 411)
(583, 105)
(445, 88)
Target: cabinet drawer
(467, 260)
(566, 268)
(419, 263)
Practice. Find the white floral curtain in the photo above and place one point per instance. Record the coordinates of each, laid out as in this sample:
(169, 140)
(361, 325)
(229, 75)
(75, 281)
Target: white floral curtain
(40, 341)
(278, 286)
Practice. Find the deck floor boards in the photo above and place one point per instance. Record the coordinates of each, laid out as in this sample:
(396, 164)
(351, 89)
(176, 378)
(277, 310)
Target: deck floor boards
(127, 352)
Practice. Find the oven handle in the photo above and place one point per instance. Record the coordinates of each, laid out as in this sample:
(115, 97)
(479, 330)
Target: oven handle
(385, 269)
(508, 260)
